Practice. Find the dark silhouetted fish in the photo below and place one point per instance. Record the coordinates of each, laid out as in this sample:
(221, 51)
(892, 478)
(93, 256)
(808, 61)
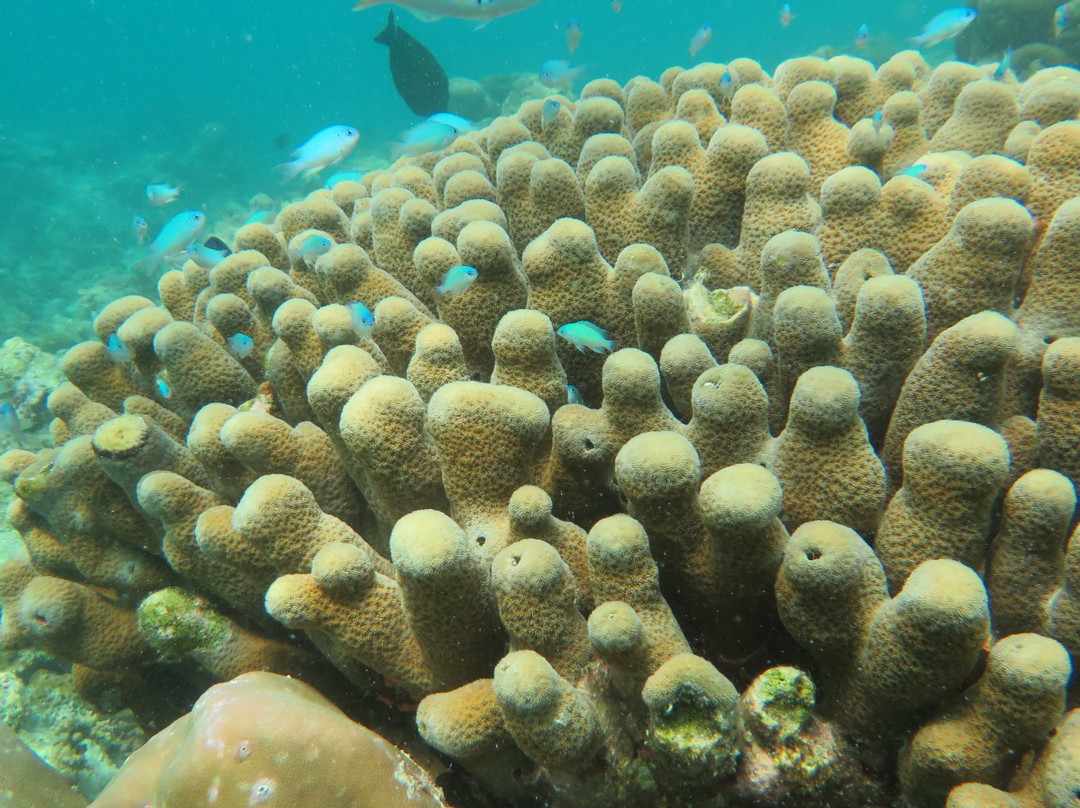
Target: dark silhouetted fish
(418, 76)
(214, 243)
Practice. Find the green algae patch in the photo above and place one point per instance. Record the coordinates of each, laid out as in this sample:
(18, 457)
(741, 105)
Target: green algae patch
(32, 483)
(176, 623)
(716, 306)
(690, 726)
(694, 739)
(778, 714)
(786, 697)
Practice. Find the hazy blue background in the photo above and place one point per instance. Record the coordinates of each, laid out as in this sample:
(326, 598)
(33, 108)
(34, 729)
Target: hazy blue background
(100, 97)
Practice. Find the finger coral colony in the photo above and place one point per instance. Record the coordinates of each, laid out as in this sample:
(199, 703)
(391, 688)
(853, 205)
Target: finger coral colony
(806, 542)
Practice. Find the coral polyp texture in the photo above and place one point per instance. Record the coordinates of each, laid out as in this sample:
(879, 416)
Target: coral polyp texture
(743, 474)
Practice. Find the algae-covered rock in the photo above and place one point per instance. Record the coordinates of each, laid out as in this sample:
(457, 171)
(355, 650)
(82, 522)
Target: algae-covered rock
(27, 376)
(26, 781)
(38, 700)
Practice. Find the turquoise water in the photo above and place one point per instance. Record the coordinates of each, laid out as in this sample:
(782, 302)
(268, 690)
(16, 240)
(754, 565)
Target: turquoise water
(101, 97)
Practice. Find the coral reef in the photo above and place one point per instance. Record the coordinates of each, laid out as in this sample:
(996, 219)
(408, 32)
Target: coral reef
(798, 536)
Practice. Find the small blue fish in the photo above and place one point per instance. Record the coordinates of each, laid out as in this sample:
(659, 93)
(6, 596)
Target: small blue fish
(9, 424)
(1003, 65)
(585, 335)
(462, 125)
(729, 82)
(573, 35)
(558, 73)
(140, 227)
(550, 111)
(117, 350)
(362, 318)
(161, 193)
(240, 345)
(945, 26)
(343, 176)
(915, 171)
(179, 233)
(432, 134)
(1061, 19)
(573, 396)
(311, 248)
(325, 148)
(701, 38)
(208, 255)
(456, 280)
(162, 387)
(862, 37)
(878, 120)
(260, 217)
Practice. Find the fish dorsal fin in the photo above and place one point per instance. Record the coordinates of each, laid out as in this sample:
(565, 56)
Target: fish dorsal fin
(214, 243)
(388, 34)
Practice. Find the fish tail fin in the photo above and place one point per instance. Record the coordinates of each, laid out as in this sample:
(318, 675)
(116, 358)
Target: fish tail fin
(289, 171)
(387, 35)
(149, 264)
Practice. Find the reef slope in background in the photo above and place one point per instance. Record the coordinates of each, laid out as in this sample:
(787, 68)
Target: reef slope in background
(806, 543)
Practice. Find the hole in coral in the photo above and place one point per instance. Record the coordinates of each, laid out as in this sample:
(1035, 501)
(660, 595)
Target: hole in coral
(480, 540)
(262, 792)
(515, 560)
(589, 445)
(813, 554)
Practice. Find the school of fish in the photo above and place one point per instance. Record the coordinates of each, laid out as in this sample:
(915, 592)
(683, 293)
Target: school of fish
(178, 239)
